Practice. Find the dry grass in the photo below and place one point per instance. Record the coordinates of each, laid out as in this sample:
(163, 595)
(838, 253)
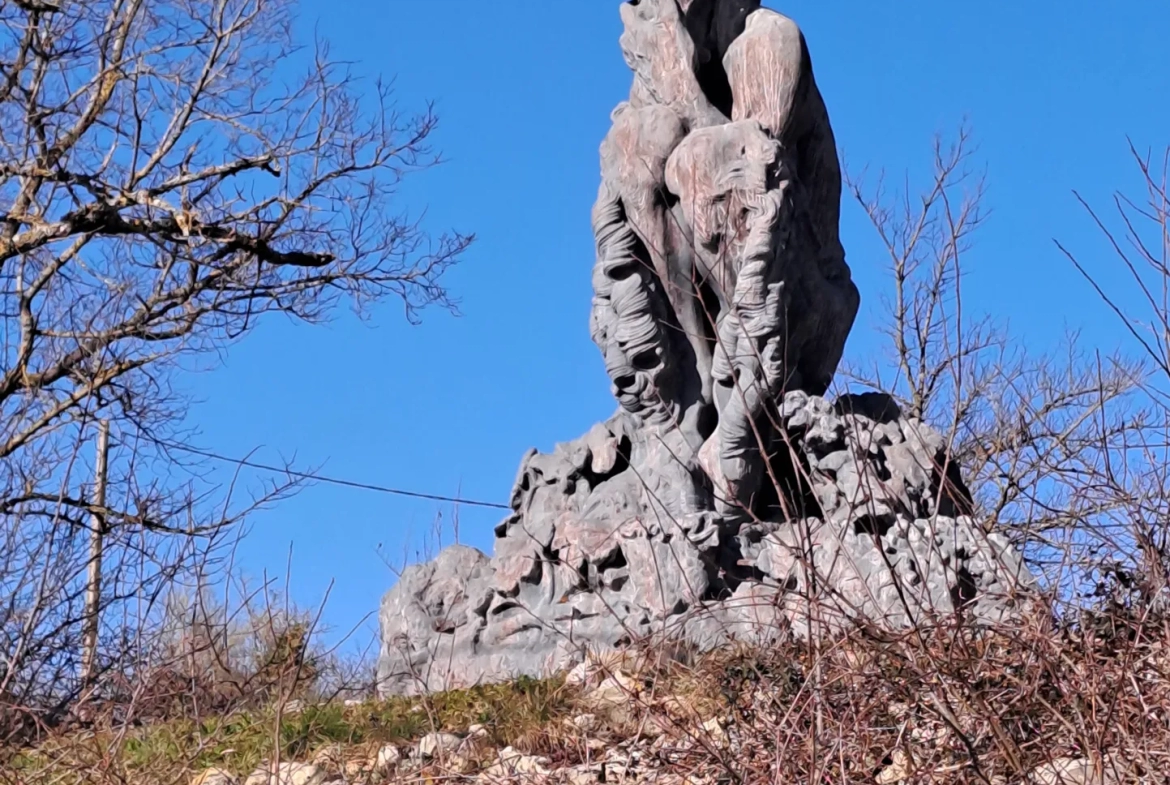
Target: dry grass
(177, 750)
(947, 705)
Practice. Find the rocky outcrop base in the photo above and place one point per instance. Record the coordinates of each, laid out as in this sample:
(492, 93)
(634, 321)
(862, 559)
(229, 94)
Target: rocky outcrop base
(610, 545)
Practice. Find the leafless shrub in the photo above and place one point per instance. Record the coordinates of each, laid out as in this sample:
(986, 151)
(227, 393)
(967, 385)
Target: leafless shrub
(1137, 478)
(945, 706)
(1037, 434)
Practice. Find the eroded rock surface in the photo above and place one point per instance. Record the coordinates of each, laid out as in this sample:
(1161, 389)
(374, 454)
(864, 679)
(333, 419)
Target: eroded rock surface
(605, 549)
(725, 495)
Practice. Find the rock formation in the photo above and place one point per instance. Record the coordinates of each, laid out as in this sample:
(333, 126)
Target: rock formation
(725, 498)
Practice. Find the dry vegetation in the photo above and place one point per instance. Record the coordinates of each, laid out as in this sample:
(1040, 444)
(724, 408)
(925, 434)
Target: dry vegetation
(1067, 455)
(149, 220)
(927, 707)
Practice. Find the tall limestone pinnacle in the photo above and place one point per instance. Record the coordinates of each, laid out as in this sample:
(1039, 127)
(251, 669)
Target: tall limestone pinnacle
(725, 496)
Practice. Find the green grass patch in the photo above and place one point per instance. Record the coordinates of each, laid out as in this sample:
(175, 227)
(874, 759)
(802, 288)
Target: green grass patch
(239, 742)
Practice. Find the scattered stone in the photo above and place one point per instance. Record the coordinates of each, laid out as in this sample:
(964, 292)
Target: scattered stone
(934, 734)
(585, 774)
(355, 768)
(716, 732)
(654, 726)
(898, 770)
(511, 763)
(387, 758)
(434, 745)
(1111, 770)
(597, 665)
(288, 774)
(677, 709)
(578, 675)
(585, 723)
(213, 776)
(617, 689)
(457, 764)
(331, 757)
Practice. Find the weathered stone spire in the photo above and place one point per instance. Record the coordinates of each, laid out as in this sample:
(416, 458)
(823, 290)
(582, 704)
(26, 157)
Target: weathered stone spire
(724, 493)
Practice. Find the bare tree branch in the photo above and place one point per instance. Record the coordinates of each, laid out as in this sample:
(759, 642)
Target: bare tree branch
(171, 172)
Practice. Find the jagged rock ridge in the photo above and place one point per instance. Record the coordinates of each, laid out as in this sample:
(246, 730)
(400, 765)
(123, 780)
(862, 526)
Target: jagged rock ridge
(725, 495)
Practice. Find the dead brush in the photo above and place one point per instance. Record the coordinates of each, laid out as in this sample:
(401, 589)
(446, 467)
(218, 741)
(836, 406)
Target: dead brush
(946, 705)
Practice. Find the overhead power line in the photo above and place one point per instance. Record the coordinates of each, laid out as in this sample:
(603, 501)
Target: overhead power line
(365, 486)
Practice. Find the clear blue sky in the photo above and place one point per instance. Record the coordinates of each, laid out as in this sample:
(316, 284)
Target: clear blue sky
(1051, 89)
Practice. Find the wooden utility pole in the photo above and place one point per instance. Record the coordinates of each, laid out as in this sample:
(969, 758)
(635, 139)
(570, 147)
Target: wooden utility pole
(97, 531)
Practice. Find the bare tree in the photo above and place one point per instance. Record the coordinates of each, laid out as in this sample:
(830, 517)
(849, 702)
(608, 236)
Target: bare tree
(170, 172)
